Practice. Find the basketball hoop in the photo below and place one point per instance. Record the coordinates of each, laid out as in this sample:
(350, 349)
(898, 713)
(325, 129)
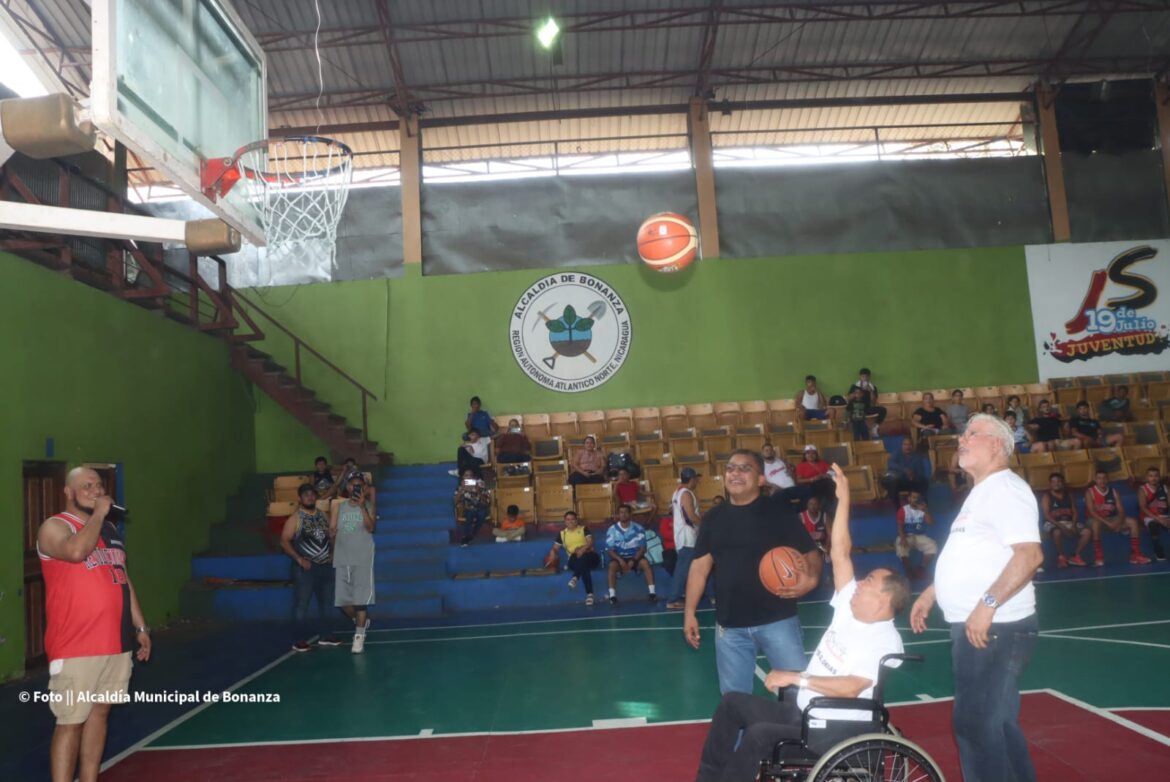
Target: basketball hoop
(298, 184)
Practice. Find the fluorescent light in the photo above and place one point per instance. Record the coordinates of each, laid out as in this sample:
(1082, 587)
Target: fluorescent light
(547, 33)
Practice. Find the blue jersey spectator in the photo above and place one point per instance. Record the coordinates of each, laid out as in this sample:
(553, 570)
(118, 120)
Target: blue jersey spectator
(625, 544)
(908, 470)
(479, 420)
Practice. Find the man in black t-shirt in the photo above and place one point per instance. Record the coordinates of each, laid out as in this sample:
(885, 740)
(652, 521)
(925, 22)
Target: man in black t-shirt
(734, 537)
(1086, 429)
(869, 394)
(1047, 431)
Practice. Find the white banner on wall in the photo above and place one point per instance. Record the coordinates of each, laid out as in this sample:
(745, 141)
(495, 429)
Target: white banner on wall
(1101, 308)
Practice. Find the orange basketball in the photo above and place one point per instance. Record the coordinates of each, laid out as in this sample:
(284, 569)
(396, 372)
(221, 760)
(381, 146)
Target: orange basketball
(781, 568)
(668, 242)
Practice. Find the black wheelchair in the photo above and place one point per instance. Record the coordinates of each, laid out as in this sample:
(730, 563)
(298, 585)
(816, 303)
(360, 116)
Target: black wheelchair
(841, 750)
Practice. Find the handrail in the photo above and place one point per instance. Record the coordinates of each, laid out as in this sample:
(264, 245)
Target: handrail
(298, 342)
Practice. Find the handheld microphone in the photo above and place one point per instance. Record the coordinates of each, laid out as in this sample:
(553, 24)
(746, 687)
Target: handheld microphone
(117, 511)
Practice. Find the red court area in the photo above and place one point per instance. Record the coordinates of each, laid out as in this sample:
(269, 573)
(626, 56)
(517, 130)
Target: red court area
(1069, 743)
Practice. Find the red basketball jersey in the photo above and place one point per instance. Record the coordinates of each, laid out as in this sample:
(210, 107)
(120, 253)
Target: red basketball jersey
(1103, 502)
(88, 603)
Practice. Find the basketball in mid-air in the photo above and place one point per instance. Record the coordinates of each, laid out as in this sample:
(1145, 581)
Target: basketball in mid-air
(781, 568)
(668, 242)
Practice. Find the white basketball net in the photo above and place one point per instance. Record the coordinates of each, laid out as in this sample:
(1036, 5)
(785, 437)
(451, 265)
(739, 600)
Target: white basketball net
(301, 184)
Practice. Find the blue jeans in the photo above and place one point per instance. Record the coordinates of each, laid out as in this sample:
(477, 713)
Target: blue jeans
(319, 581)
(472, 521)
(736, 648)
(992, 748)
(682, 569)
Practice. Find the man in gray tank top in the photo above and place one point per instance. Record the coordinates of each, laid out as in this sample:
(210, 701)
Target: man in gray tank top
(351, 526)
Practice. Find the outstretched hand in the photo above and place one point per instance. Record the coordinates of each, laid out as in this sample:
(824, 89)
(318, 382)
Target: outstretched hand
(841, 483)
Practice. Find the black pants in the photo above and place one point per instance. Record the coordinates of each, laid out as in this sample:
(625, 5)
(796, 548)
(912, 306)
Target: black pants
(512, 458)
(582, 567)
(468, 462)
(669, 559)
(895, 486)
(576, 478)
(1156, 529)
(763, 722)
(877, 410)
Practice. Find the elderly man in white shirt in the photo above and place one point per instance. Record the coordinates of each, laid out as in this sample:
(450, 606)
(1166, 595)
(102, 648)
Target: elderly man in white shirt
(983, 584)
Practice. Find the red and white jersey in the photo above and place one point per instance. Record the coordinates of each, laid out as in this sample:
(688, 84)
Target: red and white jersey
(1156, 501)
(1104, 502)
(814, 526)
(87, 603)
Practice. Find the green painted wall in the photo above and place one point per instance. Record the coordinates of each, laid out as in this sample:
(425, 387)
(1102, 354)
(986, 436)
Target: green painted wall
(113, 383)
(725, 330)
(282, 442)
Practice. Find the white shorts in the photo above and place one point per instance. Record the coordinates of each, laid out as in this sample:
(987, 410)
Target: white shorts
(1049, 526)
(922, 543)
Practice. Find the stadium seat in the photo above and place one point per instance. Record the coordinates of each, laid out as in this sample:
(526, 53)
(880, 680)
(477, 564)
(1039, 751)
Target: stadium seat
(820, 433)
(524, 498)
(718, 438)
(289, 482)
(550, 473)
(649, 445)
(674, 417)
(1141, 458)
(647, 419)
(548, 449)
(663, 491)
(591, 422)
(782, 412)
(1037, 468)
(701, 416)
(750, 436)
(872, 453)
(620, 419)
(893, 405)
(1112, 460)
(862, 486)
(753, 412)
(785, 437)
(536, 426)
(553, 502)
(618, 442)
(659, 471)
(700, 462)
(502, 422)
(1145, 433)
(989, 395)
(284, 495)
(727, 414)
(837, 453)
(719, 460)
(710, 487)
(594, 502)
(682, 442)
(282, 509)
(524, 479)
(1035, 392)
(1076, 466)
(563, 424)
(1121, 380)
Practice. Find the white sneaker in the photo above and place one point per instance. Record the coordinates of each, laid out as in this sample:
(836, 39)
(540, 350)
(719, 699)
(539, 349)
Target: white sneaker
(876, 434)
(453, 473)
(501, 540)
(359, 638)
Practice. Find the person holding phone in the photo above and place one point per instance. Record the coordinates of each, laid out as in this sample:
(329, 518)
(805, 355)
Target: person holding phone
(351, 527)
(475, 500)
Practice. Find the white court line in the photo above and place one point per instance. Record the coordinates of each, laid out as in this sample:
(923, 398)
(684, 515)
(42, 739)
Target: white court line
(1105, 640)
(1100, 578)
(1106, 714)
(141, 744)
(602, 630)
(620, 722)
(1138, 708)
(426, 732)
(523, 622)
(760, 674)
(363, 739)
(922, 696)
(1106, 627)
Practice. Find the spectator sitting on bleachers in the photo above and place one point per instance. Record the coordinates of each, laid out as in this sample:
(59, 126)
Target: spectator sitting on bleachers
(305, 539)
(511, 527)
(958, 412)
(1018, 431)
(513, 445)
(629, 491)
(856, 411)
(589, 463)
(476, 501)
(811, 401)
(625, 544)
(472, 455)
(1013, 406)
(322, 479)
(779, 474)
(913, 519)
(928, 419)
(1046, 429)
(816, 523)
(1107, 514)
(869, 394)
(813, 473)
(907, 470)
(1154, 509)
(989, 409)
(1083, 427)
(577, 541)
(1115, 409)
(348, 470)
(957, 477)
(479, 420)
(1061, 521)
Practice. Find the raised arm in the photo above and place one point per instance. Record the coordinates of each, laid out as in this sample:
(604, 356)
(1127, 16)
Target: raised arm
(840, 541)
(56, 539)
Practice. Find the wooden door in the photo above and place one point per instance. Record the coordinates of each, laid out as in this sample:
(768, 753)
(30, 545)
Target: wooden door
(44, 484)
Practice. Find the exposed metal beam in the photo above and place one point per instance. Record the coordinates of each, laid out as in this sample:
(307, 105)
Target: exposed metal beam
(794, 73)
(697, 16)
(707, 49)
(664, 109)
(1083, 34)
(401, 102)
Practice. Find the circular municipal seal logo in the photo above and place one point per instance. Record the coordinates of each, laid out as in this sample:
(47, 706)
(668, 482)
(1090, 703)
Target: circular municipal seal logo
(570, 332)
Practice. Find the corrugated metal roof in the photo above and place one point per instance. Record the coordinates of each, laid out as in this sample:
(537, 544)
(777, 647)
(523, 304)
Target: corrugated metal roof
(457, 56)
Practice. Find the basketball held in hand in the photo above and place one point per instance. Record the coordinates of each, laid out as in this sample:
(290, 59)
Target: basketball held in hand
(781, 568)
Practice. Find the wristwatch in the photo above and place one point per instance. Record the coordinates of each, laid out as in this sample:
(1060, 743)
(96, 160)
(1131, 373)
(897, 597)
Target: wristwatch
(143, 629)
(803, 682)
(990, 601)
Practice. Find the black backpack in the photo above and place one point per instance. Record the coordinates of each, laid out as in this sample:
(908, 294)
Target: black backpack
(623, 461)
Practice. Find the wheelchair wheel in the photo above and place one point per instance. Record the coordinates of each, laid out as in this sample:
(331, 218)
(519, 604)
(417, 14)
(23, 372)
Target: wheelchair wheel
(875, 757)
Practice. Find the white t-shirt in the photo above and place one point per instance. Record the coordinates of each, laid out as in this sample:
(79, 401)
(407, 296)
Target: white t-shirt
(684, 534)
(850, 647)
(811, 401)
(479, 449)
(777, 473)
(999, 512)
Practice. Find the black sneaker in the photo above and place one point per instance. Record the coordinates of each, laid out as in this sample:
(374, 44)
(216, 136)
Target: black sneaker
(613, 600)
(301, 646)
(653, 598)
(329, 640)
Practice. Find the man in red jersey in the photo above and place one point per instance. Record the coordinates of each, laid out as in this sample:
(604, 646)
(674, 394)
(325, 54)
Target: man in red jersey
(93, 621)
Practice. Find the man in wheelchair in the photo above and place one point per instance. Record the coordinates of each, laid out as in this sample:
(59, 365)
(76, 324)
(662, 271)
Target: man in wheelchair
(846, 664)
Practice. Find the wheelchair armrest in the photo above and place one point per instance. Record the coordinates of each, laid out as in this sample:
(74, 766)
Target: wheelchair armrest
(845, 704)
(780, 745)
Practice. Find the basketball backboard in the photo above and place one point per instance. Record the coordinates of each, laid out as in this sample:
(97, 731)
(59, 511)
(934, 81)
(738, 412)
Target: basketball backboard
(180, 82)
